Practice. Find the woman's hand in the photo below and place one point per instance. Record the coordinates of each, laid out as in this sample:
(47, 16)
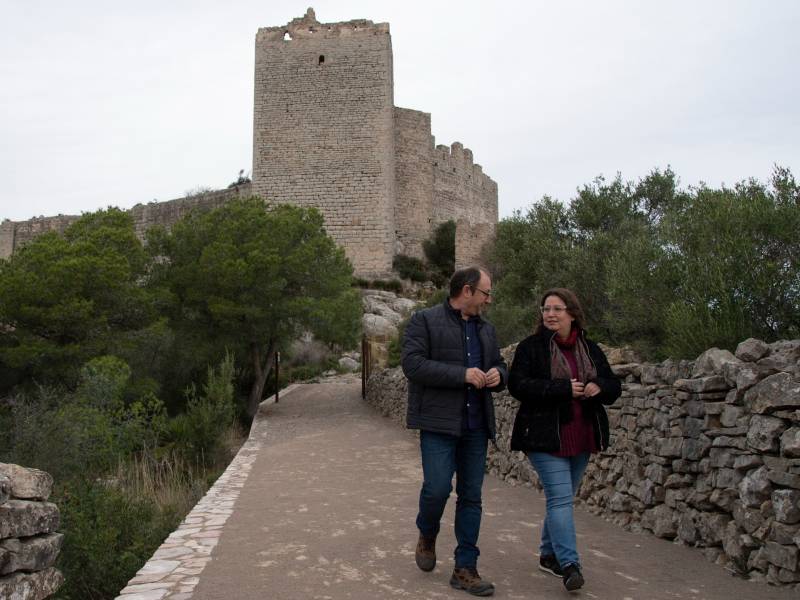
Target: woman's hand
(591, 389)
(577, 388)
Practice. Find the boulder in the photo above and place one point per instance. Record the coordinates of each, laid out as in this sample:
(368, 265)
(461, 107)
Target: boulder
(781, 556)
(784, 355)
(755, 488)
(27, 484)
(619, 356)
(5, 489)
(403, 306)
(764, 433)
(790, 443)
(349, 364)
(29, 554)
(377, 327)
(786, 504)
(776, 392)
(712, 383)
(31, 586)
(751, 350)
(22, 518)
(712, 361)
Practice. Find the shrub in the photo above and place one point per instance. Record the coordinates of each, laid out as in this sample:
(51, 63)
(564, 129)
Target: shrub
(409, 267)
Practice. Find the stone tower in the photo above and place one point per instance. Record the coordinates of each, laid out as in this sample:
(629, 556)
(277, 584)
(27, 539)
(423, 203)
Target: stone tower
(323, 130)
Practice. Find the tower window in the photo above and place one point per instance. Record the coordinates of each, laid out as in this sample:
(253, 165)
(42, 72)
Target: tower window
(321, 59)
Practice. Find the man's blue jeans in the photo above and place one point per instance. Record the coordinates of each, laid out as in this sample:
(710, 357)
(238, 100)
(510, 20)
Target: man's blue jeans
(443, 455)
(560, 479)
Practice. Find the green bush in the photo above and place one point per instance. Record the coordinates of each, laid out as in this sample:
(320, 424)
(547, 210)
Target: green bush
(409, 267)
(197, 431)
(440, 250)
(108, 535)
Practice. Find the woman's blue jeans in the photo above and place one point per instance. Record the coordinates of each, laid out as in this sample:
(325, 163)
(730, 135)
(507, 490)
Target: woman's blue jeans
(442, 456)
(560, 479)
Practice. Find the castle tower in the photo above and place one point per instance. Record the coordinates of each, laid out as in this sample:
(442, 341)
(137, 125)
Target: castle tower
(323, 130)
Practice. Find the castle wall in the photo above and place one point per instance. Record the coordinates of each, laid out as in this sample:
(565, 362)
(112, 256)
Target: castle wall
(15, 234)
(471, 240)
(323, 130)
(170, 212)
(461, 189)
(413, 144)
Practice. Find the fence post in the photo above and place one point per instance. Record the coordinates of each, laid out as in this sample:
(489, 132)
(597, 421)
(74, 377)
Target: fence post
(277, 375)
(364, 366)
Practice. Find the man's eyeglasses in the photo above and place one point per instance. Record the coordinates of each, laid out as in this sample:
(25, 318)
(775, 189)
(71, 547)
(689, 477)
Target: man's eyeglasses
(487, 294)
(555, 309)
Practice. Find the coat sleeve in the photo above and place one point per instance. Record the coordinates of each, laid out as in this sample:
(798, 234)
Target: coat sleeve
(610, 385)
(528, 384)
(417, 364)
(498, 363)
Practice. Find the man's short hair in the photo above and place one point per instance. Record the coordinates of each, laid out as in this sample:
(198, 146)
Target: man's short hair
(467, 276)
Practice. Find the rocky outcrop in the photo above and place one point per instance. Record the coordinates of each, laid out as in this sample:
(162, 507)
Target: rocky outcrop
(383, 313)
(29, 544)
(705, 453)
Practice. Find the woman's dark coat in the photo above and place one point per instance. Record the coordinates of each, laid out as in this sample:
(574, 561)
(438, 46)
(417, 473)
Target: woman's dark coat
(546, 403)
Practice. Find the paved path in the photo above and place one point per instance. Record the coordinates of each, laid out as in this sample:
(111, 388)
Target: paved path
(327, 512)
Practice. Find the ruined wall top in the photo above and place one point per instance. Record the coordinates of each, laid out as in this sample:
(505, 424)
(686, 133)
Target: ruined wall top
(308, 27)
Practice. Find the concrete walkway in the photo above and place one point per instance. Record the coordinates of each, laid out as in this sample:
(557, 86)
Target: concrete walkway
(327, 512)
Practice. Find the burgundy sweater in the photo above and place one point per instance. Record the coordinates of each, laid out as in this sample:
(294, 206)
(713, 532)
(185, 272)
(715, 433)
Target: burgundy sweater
(577, 436)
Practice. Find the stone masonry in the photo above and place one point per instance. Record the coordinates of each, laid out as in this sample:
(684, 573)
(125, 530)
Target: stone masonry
(705, 453)
(326, 134)
(29, 544)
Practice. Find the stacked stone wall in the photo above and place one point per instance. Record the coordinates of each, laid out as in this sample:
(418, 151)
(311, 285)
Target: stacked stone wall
(705, 453)
(414, 180)
(323, 131)
(29, 544)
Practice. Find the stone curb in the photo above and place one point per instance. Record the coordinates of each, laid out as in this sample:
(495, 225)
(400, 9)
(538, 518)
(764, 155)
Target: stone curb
(174, 569)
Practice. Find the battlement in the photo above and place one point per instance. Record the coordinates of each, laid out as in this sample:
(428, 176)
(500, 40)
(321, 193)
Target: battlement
(307, 27)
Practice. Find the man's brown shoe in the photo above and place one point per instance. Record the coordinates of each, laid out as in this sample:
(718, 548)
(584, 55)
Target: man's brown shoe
(426, 552)
(469, 580)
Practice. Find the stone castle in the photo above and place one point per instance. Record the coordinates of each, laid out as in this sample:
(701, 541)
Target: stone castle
(326, 134)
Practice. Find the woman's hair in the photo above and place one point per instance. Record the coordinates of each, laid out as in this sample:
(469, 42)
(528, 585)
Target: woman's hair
(570, 301)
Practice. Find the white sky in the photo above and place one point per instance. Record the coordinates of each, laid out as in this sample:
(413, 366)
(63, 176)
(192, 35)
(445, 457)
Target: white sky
(110, 103)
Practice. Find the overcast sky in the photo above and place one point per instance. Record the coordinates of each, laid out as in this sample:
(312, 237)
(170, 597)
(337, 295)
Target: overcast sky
(111, 103)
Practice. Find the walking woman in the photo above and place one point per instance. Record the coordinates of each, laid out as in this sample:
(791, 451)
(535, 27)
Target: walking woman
(562, 380)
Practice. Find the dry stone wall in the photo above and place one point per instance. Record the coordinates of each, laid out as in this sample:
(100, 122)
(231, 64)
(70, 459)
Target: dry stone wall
(705, 453)
(29, 544)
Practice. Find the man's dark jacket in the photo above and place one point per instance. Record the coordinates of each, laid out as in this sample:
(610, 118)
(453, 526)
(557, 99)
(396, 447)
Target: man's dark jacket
(433, 361)
(545, 403)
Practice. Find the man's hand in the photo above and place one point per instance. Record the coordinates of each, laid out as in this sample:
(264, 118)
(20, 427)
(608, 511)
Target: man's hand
(476, 377)
(492, 377)
(577, 388)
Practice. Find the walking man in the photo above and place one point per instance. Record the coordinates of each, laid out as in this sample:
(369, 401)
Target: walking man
(452, 362)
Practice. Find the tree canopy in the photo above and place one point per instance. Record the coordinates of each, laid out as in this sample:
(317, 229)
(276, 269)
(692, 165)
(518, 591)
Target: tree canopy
(252, 279)
(671, 271)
